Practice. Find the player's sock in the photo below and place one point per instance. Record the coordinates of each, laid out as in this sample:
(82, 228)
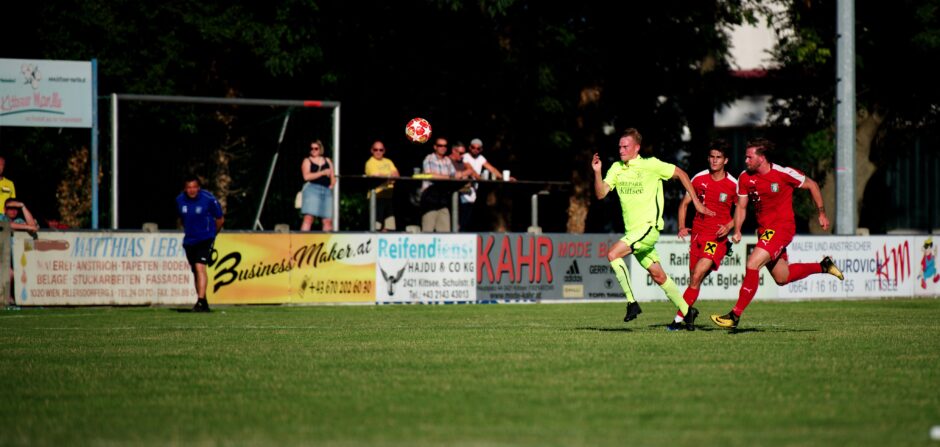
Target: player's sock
(800, 271)
(689, 296)
(748, 290)
(623, 277)
(672, 292)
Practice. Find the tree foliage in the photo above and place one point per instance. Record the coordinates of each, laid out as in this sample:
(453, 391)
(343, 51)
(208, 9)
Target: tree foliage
(538, 81)
(896, 97)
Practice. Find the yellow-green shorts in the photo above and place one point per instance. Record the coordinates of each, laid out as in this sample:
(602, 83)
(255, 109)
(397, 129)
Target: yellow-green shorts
(643, 244)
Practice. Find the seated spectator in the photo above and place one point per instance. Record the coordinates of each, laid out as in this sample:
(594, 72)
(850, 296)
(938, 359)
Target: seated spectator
(476, 159)
(435, 197)
(12, 213)
(468, 193)
(379, 166)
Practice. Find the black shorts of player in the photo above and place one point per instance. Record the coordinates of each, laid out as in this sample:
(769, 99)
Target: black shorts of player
(199, 252)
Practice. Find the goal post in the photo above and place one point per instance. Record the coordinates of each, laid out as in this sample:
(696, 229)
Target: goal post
(334, 106)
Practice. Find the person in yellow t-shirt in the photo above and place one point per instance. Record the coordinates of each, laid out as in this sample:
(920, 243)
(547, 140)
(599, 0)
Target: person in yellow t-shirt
(638, 181)
(7, 190)
(379, 166)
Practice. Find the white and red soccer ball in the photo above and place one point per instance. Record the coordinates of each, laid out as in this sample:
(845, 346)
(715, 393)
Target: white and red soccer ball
(418, 130)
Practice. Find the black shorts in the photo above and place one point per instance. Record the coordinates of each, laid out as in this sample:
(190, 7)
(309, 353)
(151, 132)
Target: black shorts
(199, 253)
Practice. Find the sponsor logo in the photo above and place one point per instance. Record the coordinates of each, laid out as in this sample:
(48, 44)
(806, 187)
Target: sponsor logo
(573, 274)
(710, 247)
(767, 235)
(572, 291)
(392, 279)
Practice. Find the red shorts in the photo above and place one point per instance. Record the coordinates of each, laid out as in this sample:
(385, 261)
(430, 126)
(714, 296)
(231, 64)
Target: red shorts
(775, 242)
(702, 247)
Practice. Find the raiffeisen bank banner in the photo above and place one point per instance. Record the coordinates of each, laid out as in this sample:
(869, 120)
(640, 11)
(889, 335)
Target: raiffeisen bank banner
(45, 93)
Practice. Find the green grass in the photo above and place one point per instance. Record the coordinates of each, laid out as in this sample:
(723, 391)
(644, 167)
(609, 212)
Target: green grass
(812, 373)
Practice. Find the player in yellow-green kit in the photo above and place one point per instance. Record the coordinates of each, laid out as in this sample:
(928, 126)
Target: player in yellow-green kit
(639, 184)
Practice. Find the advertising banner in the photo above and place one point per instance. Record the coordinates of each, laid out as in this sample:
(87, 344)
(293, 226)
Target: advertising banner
(45, 93)
(425, 268)
(873, 266)
(722, 284)
(926, 266)
(252, 268)
(101, 268)
(127, 268)
(534, 267)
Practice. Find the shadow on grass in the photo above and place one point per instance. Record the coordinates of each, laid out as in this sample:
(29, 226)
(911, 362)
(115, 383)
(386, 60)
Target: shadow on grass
(767, 329)
(709, 328)
(188, 310)
(604, 329)
(699, 328)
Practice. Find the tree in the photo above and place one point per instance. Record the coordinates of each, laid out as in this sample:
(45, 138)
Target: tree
(894, 94)
(538, 81)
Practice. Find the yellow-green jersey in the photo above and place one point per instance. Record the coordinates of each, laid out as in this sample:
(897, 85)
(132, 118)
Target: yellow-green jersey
(639, 183)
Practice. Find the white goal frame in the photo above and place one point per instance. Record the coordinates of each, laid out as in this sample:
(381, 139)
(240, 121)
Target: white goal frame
(333, 105)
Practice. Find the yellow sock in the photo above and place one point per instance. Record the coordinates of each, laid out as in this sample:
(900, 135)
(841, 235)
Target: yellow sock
(623, 277)
(672, 292)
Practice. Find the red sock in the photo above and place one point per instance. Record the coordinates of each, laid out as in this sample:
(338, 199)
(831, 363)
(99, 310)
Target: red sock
(689, 296)
(800, 271)
(748, 290)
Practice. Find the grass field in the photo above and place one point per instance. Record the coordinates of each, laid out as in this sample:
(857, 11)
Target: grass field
(812, 373)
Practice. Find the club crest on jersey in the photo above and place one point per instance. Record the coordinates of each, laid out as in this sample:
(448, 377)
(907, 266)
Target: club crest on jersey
(198, 210)
(774, 187)
(710, 247)
(722, 197)
(767, 235)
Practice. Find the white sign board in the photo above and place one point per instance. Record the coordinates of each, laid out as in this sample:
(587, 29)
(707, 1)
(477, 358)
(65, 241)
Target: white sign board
(85, 268)
(873, 266)
(722, 284)
(45, 93)
(425, 268)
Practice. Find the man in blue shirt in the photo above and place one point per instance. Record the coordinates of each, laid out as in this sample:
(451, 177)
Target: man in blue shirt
(202, 219)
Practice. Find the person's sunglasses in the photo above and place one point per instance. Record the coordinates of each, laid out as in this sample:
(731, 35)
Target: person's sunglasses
(377, 150)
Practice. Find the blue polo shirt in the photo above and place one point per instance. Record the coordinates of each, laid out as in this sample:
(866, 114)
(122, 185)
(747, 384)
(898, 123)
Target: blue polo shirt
(198, 216)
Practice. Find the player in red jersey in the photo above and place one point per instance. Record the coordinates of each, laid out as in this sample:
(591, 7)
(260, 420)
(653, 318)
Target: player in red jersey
(769, 187)
(716, 189)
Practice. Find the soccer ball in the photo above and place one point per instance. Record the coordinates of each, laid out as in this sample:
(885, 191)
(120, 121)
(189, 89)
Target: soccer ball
(418, 130)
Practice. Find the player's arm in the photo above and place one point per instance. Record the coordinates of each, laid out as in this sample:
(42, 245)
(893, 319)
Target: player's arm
(687, 184)
(740, 212)
(813, 188)
(683, 207)
(725, 228)
(600, 187)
